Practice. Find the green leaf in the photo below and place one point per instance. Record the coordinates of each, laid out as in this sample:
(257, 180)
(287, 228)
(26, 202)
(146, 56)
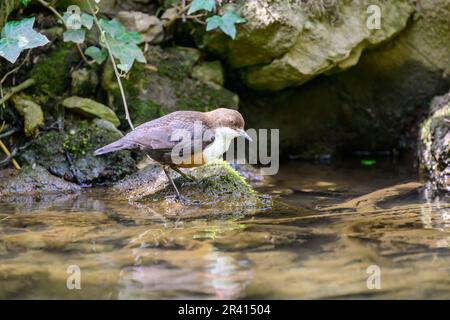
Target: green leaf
(227, 23)
(25, 2)
(87, 20)
(213, 22)
(197, 5)
(18, 36)
(99, 55)
(113, 27)
(131, 37)
(124, 44)
(74, 35)
(127, 53)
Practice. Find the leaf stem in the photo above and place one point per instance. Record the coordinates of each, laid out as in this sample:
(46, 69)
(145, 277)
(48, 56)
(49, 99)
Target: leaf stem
(60, 17)
(24, 85)
(116, 71)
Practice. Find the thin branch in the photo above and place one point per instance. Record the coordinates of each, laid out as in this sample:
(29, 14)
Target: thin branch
(8, 133)
(8, 154)
(116, 71)
(12, 91)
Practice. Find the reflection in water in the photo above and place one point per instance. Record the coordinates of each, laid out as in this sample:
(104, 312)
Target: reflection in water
(329, 225)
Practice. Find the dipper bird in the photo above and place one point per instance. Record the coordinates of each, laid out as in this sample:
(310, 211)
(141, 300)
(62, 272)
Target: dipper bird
(199, 137)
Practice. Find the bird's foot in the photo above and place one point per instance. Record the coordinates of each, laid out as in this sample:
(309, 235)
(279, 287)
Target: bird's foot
(185, 201)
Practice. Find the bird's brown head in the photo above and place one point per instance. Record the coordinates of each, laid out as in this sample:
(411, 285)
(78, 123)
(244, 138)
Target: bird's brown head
(228, 118)
(223, 117)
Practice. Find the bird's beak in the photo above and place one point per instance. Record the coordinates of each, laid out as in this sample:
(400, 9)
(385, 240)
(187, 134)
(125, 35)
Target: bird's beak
(245, 135)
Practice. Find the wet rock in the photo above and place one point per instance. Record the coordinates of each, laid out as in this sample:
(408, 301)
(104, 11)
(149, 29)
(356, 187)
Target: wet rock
(69, 155)
(166, 86)
(434, 144)
(91, 108)
(34, 180)
(288, 43)
(31, 113)
(150, 27)
(217, 187)
(84, 82)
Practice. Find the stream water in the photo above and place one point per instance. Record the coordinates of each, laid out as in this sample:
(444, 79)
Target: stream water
(316, 243)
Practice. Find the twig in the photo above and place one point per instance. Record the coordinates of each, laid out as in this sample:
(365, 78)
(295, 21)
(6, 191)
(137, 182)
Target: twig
(15, 69)
(116, 71)
(8, 154)
(12, 91)
(8, 133)
(183, 12)
(60, 17)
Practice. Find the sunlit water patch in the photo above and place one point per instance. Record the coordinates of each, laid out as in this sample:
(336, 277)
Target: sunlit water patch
(329, 225)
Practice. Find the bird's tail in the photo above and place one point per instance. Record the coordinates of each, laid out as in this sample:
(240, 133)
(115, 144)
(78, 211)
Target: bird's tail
(115, 146)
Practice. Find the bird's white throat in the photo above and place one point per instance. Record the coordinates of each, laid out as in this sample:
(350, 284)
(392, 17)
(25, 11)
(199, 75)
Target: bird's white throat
(222, 140)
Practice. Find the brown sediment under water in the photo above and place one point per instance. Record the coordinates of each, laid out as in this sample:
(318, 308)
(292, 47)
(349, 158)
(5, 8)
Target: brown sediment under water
(331, 224)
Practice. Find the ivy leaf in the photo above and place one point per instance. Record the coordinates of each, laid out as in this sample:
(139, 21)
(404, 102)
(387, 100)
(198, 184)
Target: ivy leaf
(74, 35)
(113, 27)
(87, 20)
(197, 5)
(18, 36)
(25, 2)
(124, 44)
(127, 53)
(131, 37)
(99, 55)
(227, 23)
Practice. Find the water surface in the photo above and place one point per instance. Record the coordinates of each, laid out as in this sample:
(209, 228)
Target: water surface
(316, 243)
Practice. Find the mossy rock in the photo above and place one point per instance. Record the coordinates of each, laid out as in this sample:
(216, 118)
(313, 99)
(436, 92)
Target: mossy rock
(52, 72)
(217, 187)
(166, 86)
(70, 154)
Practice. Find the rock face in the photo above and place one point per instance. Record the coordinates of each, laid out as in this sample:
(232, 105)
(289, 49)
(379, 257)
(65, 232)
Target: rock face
(434, 143)
(217, 186)
(33, 181)
(373, 106)
(166, 85)
(286, 43)
(70, 155)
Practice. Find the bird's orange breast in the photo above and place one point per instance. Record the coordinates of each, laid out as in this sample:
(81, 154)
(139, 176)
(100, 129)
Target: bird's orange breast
(196, 160)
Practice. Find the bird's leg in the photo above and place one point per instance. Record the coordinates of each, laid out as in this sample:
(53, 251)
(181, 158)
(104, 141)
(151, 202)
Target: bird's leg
(181, 173)
(180, 198)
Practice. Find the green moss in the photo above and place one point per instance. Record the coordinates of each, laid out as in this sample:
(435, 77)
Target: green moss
(143, 111)
(52, 73)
